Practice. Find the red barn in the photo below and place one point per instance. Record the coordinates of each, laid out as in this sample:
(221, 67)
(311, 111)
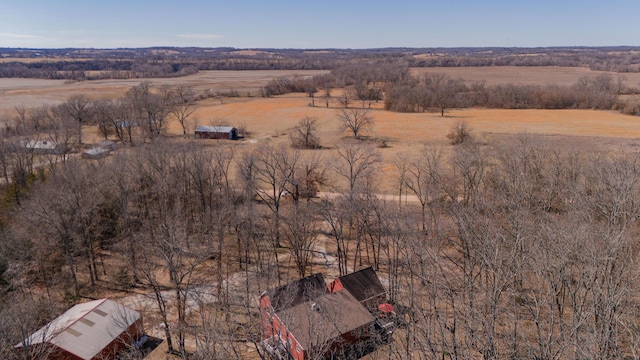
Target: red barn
(98, 329)
(303, 319)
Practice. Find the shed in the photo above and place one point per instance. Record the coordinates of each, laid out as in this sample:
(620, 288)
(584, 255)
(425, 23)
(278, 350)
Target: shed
(98, 329)
(216, 132)
(43, 146)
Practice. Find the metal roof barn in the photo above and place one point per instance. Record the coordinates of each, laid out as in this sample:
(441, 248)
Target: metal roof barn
(91, 330)
(216, 132)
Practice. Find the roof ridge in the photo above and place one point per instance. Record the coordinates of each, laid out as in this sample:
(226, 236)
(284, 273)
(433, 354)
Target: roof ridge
(101, 301)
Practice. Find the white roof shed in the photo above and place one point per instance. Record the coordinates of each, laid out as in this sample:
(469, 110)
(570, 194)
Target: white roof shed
(86, 329)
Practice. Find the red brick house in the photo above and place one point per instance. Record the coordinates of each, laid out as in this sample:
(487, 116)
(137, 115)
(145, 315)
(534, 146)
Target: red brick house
(98, 329)
(303, 319)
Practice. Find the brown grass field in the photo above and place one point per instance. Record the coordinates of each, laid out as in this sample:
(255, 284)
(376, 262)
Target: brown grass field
(527, 75)
(575, 130)
(580, 130)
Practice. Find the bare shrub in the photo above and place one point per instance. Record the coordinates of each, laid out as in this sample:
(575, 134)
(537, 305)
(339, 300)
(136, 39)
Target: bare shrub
(460, 132)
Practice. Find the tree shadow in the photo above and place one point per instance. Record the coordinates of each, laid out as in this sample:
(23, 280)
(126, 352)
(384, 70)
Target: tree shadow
(150, 345)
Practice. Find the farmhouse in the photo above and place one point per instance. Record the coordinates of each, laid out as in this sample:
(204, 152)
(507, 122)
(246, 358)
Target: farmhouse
(216, 132)
(303, 320)
(98, 329)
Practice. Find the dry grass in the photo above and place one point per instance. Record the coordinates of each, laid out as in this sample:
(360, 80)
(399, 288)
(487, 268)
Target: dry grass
(578, 130)
(403, 132)
(36, 92)
(526, 75)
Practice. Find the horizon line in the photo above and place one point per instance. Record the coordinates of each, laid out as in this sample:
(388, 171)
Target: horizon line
(327, 48)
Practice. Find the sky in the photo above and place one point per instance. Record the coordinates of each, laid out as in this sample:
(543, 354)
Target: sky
(318, 24)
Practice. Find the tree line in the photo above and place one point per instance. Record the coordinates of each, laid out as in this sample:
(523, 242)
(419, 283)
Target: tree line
(392, 83)
(142, 113)
(84, 64)
(440, 91)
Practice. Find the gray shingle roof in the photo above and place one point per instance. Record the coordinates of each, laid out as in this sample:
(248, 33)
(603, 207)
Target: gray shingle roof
(363, 284)
(316, 322)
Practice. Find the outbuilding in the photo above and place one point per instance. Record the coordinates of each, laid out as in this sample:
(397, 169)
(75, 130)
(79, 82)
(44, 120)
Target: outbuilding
(95, 153)
(216, 132)
(99, 329)
(43, 146)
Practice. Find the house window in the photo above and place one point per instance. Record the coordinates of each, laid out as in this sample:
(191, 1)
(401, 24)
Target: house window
(298, 349)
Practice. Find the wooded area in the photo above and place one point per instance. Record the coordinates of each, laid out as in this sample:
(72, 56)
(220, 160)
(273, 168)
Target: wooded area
(512, 250)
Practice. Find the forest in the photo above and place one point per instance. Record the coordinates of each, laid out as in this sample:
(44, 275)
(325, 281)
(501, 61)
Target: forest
(512, 250)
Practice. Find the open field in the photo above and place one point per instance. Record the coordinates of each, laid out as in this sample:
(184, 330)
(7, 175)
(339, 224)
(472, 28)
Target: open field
(403, 132)
(268, 117)
(35, 92)
(527, 75)
(576, 130)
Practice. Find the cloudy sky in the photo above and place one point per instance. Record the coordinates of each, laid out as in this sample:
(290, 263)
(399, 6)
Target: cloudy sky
(318, 24)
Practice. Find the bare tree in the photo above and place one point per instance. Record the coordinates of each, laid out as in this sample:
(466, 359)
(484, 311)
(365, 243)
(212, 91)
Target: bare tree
(300, 233)
(311, 92)
(149, 108)
(275, 170)
(21, 119)
(345, 98)
(304, 135)
(357, 165)
(67, 208)
(327, 97)
(424, 179)
(310, 176)
(355, 120)
(182, 105)
(21, 316)
(442, 90)
(104, 116)
(79, 108)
